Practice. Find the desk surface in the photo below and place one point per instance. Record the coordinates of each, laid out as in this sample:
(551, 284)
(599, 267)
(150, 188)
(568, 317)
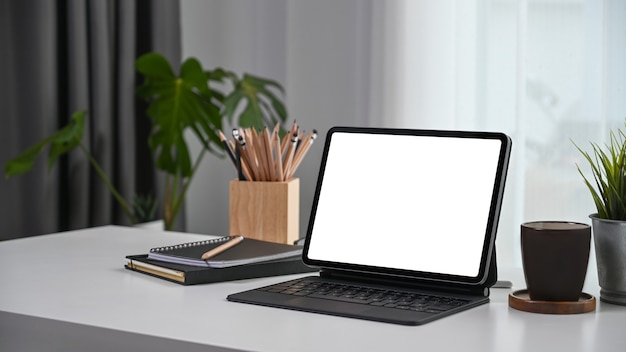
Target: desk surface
(69, 291)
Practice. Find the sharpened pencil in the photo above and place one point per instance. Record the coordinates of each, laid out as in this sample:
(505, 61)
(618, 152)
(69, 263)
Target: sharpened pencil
(262, 155)
(222, 248)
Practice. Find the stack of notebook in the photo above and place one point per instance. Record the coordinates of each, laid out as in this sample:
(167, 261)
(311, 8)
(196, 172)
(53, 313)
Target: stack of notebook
(222, 259)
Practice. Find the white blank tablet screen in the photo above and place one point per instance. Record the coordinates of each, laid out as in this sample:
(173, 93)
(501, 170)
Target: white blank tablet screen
(406, 202)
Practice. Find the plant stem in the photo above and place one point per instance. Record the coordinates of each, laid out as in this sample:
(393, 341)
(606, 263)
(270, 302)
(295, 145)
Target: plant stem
(175, 201)
(172, 187)
(109, 185)
(167, 205)
(179, 200)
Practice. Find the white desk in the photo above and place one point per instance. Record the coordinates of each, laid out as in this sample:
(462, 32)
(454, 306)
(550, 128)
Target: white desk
(69, 291)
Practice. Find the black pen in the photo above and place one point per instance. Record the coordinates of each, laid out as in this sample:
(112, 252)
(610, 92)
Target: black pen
(227, 147)
(299, 142)
(244, 158)
(238, 164)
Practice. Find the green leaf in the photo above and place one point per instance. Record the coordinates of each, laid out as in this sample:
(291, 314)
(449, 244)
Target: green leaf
(250, 116)
(253, 93)
(154, 65)
(279, 108)
(193, 75)
(177, 104)
(144, 208)
(23, 162)
(262, 82)
(608, 168)
(257, 90)
(219, 74)
(231, 102)
(67, 138)
(60, 143)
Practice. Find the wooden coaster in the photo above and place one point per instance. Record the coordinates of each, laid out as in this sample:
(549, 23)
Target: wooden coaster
(521, 301)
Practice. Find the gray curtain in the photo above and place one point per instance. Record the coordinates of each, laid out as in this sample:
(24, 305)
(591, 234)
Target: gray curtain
(58, 57)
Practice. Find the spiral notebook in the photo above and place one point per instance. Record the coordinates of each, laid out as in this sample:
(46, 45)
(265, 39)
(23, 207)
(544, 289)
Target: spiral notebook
(247, 252)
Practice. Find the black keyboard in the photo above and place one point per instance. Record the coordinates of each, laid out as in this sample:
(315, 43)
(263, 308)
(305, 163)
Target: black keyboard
(367, 295)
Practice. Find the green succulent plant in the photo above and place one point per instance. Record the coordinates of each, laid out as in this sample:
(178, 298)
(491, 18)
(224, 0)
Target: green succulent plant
(608, 168)
(145, 207)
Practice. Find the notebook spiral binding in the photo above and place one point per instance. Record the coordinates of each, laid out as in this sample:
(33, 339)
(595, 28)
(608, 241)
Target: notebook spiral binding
(190, 244)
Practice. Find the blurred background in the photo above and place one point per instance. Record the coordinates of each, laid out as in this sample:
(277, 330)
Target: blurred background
(549, 73)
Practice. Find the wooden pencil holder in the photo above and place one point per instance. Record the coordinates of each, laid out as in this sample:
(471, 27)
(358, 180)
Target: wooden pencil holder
(266, 211)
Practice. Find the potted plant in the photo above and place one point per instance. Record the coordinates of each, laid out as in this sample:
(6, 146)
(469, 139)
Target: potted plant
(196, 100)
(608, 189)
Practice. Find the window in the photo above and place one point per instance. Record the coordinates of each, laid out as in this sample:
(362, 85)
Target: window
(546, 72)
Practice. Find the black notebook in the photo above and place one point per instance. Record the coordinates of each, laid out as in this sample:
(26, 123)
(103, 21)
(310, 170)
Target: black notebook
(192, 275)
(247, 252)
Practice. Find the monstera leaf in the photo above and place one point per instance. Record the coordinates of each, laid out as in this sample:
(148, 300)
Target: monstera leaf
(178, 103)
(261, 106)
(60, 142)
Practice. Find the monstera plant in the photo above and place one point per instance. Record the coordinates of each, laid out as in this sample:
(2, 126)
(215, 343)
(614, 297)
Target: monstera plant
(192, 100)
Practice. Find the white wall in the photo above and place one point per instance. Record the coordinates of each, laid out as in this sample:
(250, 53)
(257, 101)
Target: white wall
(320, 52)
